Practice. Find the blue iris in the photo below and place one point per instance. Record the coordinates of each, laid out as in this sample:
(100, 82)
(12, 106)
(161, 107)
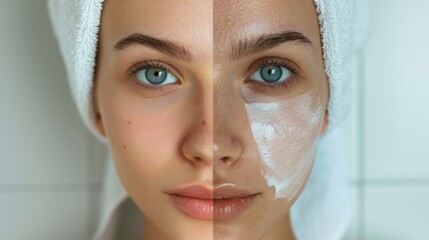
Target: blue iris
(155, 76)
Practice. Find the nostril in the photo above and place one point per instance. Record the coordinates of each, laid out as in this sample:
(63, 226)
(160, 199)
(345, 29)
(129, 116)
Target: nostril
(197, 148)
(197, 161)
(225, 159)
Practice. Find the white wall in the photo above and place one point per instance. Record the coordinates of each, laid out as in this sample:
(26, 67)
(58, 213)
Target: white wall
(51, 168)
(389, 124)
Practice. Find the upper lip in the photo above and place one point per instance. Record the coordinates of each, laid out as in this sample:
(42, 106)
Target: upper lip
(217, 192)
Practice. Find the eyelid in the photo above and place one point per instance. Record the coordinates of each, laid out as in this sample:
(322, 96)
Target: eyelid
(258, 64)
(275, 87)
(152, 63)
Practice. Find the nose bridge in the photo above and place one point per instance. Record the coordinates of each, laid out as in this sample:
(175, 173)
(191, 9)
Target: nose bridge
(216, 119)
(226, 122)
(198, 143)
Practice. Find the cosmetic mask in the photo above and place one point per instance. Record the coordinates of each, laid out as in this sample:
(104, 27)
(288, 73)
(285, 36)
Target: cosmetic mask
(286, 132)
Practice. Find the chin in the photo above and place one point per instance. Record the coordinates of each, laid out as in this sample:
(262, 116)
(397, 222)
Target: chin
(190, 229)
(266, 218)
(231, 232)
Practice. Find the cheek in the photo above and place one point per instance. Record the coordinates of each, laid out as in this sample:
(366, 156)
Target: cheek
(286, 134)
(143, 138)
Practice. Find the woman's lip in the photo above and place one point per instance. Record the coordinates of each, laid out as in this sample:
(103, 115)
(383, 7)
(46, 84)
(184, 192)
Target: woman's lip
(218, 192)
(194, 191)
(222, 203)
(230, 208)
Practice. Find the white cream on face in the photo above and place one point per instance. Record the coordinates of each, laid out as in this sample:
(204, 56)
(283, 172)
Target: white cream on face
(286, 133)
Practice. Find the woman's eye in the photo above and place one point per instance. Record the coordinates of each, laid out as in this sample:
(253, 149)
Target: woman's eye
(155, 76)
(271, 74)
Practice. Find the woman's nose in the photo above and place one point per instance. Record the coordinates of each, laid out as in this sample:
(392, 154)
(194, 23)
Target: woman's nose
(213, 139)
(212, 144)
(226, 149)
(198, 142)
(198, 145)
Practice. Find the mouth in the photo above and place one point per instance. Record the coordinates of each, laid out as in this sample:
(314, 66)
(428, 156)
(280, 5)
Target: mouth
(224, 202)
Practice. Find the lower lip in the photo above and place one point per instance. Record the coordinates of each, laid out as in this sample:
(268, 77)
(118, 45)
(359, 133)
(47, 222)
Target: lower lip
(209, 209)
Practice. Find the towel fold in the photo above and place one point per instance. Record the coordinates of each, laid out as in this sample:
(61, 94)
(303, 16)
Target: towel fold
(76, 25)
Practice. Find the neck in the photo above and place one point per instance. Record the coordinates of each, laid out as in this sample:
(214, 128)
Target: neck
(279, 231)
(151, 232)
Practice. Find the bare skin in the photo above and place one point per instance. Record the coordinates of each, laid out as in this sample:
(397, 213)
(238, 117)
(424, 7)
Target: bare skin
(244, 21)
(154, 135)
(183, 132)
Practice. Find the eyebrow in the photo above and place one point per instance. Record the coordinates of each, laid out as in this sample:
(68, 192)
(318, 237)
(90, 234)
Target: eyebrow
(164, 46)
(246, 47)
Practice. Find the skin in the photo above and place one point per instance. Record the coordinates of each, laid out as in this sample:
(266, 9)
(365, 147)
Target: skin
(159, 142)
(235, 21)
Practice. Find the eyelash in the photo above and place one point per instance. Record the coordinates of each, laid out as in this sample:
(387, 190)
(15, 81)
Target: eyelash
(143, 65)
(285, 85)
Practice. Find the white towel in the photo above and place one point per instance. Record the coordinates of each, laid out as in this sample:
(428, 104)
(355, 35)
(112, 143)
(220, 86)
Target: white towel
(321, 212)
(76, 24)
(323, 209)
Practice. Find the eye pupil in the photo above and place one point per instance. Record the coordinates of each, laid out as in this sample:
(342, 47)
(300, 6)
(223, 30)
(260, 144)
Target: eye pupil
(156, 75)
(271, 73)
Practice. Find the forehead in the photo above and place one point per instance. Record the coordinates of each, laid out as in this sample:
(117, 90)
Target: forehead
(188, 22)
(238, 19)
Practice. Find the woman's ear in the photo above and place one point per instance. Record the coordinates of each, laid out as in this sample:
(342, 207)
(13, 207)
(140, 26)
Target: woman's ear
(99, 124)
(98, 117)
(325, 123)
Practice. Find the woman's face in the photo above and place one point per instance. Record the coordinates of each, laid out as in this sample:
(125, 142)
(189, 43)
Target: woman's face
(212, 110)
